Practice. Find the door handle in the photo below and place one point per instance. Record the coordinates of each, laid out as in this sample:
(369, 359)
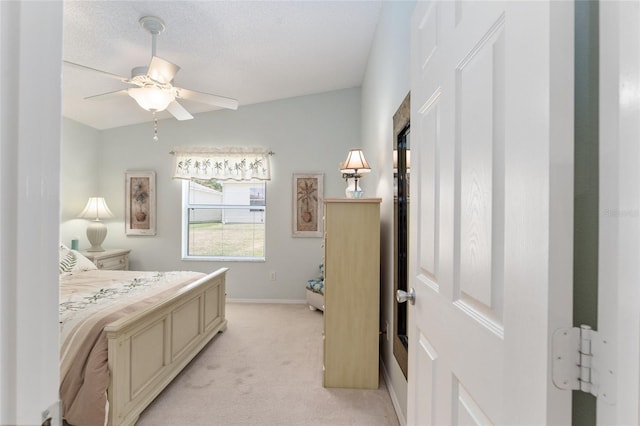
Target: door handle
(402, 296)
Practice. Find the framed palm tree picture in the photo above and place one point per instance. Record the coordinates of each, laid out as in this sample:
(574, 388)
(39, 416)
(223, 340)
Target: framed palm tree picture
(307, 204)
(140, 203)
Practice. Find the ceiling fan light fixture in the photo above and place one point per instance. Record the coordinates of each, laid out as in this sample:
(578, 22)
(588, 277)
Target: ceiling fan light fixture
(152, 98)
(154, 90)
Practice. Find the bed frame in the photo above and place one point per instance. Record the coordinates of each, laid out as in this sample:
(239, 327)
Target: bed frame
(148, 349)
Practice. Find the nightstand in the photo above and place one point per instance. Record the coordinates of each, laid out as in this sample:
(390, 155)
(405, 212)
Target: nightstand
(109, 259)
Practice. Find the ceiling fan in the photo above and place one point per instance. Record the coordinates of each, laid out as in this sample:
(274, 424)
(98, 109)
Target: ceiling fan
(154, 90)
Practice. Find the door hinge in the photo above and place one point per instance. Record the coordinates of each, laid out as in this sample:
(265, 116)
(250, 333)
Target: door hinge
(581, 362)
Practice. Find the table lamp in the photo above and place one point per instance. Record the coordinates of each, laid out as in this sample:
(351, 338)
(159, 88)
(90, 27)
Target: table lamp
(352, 169)
(96, 209)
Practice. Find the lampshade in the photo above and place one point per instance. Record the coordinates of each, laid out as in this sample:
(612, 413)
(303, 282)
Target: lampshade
(407, 157)
(355, 163)
(152, 98)
(96, 209)
(352, 169)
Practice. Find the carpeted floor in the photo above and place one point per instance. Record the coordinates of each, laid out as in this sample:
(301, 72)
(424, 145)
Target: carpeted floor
(265, 369)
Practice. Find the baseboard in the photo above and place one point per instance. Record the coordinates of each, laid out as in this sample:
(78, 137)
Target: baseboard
(392, 393)
(272, 301)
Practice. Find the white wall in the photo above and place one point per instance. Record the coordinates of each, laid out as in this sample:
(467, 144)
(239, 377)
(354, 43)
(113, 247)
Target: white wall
(308, 134)
(30, 94)
(385, 86)
(79, 177)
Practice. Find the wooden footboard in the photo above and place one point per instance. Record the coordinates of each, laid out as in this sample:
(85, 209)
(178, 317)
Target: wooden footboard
(147, 350)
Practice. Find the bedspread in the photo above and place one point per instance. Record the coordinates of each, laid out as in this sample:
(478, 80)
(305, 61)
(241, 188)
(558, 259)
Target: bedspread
(90, 300)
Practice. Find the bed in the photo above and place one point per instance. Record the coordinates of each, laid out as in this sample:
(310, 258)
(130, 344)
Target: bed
(125, 335)
(315, 291)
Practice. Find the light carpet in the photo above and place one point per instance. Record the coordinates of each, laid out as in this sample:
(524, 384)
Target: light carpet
(265, 369)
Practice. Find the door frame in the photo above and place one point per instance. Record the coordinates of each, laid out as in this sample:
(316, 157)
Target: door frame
(619, 207)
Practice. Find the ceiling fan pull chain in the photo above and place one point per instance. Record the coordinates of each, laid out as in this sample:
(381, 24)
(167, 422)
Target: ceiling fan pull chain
(153, 44)
(155, 127)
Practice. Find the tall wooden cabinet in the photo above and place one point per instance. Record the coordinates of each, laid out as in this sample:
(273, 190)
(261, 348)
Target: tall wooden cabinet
(351, 292)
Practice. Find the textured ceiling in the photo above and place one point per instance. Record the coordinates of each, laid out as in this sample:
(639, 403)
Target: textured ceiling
(253, 51)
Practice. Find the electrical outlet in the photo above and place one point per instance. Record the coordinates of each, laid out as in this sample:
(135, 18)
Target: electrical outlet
(272, 276)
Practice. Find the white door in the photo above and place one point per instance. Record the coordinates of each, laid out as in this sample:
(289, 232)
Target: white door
(619, 218)
(491, 210)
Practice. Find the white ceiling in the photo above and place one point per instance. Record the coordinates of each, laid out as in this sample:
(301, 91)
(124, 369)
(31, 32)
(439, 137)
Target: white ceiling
(253, 51)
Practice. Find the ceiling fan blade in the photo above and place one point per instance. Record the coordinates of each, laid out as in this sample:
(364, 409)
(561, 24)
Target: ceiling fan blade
(109, 94)
(104, 73)
(207, 98)
(162, 70)
(178, 111)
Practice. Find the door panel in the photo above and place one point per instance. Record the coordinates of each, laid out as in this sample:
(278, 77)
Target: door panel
(428, 123)
(490, 271)
(427, 365)
(480, 141)
(467, 411)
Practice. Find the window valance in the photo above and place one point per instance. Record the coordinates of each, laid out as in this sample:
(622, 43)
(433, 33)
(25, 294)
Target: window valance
(235, 163)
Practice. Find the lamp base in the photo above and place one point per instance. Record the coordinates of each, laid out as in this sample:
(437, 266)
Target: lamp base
(96, 233)
(351, 191)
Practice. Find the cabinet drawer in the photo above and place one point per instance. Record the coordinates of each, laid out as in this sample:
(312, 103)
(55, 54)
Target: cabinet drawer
(115, 262)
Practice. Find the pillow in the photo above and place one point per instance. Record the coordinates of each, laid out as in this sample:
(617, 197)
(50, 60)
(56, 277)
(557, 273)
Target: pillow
(316, 285)
(73, 261)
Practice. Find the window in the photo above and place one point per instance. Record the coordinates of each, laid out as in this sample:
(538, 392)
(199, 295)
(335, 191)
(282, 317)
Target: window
(223, 220)
(223, 201)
